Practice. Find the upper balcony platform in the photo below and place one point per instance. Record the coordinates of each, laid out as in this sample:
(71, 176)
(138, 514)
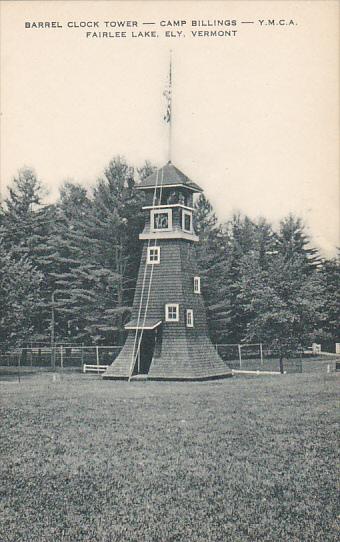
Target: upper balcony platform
(174, 233)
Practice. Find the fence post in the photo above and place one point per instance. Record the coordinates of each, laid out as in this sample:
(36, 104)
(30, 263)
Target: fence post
(239, 354)
(281, 364)
(97, 356)
(19, 364)
(261, 353)
(61, 357)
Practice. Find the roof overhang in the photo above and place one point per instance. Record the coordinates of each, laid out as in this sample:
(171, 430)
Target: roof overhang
(187, 186)
(141, 324)
(170, 206)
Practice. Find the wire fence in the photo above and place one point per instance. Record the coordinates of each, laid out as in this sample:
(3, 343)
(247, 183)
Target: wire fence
(239, 357)
(259, 357)
(62, 356)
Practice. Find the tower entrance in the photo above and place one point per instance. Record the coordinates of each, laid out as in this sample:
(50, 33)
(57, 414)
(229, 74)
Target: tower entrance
(146, 352)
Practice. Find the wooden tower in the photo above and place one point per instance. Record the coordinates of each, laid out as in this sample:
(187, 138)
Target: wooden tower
(167, 334)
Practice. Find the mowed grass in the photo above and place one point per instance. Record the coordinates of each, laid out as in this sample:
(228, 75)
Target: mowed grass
(243, 459)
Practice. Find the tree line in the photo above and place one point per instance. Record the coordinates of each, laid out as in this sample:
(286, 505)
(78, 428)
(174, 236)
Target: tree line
(75, 262)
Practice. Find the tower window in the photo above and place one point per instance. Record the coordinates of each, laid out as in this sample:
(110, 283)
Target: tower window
(161, 220)
(171, 313)
(197, 285)
(190, 318)
(154, 255)
(187, 221)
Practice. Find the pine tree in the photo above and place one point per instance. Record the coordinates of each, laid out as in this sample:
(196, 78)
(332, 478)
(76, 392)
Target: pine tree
(117, 220)
(26, 229)
(93, 256)
(330, 273)
(19, 217)
(265, 242)
(293, 241)
(284, 303)
(240, 238)
(79, 287)
(210, 255)
(20, 285)
(147, 169)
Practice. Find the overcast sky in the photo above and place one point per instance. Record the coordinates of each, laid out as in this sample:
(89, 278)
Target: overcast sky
(255, 115)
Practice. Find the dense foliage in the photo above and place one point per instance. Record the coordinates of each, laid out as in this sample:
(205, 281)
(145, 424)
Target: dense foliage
(72, 265)
(262, 285)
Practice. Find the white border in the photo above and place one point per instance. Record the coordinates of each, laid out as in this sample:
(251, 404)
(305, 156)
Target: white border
(153, 262)
(161, 211)
(197, 280)
(167, 306)
(184, 214)
(189, 312)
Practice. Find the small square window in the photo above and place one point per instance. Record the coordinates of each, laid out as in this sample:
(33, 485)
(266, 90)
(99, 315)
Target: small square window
(190, 318)
(187, 221)
(154, 255)
(197, 285)
(171, 313)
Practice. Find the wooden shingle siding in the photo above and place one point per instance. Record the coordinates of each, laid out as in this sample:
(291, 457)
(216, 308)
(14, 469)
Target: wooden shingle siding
(181, 352)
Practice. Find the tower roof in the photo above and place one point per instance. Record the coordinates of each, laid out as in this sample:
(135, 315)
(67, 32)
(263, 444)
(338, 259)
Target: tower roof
(169, 176)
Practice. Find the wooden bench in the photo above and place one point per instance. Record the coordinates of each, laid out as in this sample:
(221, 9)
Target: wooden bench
(94, 368)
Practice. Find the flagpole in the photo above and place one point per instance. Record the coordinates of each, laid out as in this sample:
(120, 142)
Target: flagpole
(168, 113)
(170, 92)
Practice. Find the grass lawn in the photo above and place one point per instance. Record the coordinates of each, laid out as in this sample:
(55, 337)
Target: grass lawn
(243, 459)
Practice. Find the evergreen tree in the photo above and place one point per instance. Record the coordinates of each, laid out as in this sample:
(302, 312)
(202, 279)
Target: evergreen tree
(239, 236)
(19, 216)
(265, 242)
(117, 219)
(294, 241)
(20, 285)
(81, 256)
(81, 289)
(147, 169)
(26, 229)
(283, 303)
(331, 280)
(210, 254)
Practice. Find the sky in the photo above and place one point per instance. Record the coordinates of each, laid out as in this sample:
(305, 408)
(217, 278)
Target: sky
(255, 114)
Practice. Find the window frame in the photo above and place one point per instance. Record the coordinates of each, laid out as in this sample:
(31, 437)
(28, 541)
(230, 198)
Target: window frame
(161, 212)
(167, 307)
(189, 318)
(189, 214)
(149, 261)
(197, 284)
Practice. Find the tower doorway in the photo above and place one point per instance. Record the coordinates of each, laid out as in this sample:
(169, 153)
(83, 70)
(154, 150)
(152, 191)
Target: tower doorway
(146, 352)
